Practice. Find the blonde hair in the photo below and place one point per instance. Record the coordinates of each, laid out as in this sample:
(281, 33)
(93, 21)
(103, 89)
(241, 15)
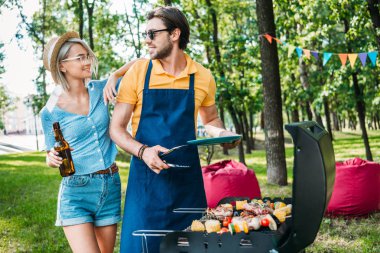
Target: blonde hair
(62, 54)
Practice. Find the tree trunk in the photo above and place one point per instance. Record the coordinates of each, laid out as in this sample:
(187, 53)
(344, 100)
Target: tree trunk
(221, 113)
(319, 120)
(309, 111)
(341, 122)
(288, 116)
(373, 8)
(81, 19)
(250, 133)
(215, 38)
(168, 2)
(335, 121)
(377, 120)
(327, 115)
(295, 115)
(246, 130)
(274, 135)
(44, 94)
(305, 84)
(262, 121)
(238, 128)
(360, 107)
(90, 12)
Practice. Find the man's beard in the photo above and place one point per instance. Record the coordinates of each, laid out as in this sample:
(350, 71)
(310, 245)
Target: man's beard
(164, 52)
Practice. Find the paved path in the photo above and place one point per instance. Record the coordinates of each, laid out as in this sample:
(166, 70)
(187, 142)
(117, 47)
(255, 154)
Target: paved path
(15, 143)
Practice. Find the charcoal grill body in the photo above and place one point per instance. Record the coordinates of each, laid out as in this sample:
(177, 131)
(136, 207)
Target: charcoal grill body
(313, 181)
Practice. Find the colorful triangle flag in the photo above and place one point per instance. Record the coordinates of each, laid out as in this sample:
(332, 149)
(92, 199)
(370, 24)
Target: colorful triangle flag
(290, 50)
(307, 53)
(299, 51)
(343, 59)
(372, 56)
(326, 58)
(315, 54)
(269, 38)
(278, 41)
(363, 58)
(352, 58)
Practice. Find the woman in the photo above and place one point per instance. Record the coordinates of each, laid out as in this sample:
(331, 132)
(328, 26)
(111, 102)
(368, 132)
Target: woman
(88, 201)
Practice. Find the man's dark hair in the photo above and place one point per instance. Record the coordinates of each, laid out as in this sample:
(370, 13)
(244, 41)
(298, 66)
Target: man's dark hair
(172, 19)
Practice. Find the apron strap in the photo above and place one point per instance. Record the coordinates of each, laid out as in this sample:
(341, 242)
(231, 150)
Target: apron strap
(191, 85)
(147, 75)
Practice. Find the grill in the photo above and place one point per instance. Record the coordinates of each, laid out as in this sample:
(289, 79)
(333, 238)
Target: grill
(313, 181)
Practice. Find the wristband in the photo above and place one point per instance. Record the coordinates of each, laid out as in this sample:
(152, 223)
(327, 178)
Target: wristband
(141, 151)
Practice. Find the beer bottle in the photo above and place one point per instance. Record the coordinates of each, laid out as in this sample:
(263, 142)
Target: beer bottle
(63, 148)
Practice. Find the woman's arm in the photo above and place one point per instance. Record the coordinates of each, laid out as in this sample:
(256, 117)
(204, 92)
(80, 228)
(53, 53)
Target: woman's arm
(109, 91)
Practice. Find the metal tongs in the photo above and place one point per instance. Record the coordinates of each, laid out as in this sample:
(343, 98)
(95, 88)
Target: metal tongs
(163, 154)
(147, 233)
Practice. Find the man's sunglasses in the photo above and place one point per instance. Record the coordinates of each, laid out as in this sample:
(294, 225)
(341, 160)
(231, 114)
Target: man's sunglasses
(151, 33)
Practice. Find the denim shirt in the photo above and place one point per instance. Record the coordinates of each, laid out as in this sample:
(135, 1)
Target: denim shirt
(87, 134)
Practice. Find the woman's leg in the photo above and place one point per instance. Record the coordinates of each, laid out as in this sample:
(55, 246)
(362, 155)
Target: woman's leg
(82, 238)
(106, 237)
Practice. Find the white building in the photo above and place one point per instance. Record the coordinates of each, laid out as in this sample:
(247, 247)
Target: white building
(22, 120)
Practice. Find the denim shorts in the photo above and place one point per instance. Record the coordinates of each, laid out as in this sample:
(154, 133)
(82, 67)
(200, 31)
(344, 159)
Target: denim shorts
(94, 198)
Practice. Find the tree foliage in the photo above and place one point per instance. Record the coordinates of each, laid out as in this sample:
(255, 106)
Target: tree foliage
(225, 38)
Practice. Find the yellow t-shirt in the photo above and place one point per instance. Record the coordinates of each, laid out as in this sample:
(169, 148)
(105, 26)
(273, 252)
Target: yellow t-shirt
(132, 85)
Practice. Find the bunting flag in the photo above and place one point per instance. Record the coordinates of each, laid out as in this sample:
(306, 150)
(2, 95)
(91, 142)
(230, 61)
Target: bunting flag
(290, 50)
(269, 38)
(372, 56)
(326, 58)
(299, 52)
(343, 59)
(315, 54)
(363, 58)
(352, 57)
(307, 53)
(278, 41)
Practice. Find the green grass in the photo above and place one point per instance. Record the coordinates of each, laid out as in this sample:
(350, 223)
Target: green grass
(29, 193)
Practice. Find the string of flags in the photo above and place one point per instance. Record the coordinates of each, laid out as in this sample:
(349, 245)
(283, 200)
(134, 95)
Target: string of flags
(352, 57)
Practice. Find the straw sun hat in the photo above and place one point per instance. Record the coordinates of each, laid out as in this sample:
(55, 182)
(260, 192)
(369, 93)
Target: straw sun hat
(52, 49)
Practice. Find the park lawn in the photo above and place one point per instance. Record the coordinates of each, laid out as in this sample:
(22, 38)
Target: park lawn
(29, 194)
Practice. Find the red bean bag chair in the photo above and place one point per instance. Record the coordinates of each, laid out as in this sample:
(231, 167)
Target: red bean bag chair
(356, 190)
(229, 179)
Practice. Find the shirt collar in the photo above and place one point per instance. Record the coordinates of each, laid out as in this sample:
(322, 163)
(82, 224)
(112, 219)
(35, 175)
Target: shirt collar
(189, 69)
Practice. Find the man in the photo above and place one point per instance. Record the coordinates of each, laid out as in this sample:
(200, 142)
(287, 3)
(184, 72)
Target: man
(163, 96)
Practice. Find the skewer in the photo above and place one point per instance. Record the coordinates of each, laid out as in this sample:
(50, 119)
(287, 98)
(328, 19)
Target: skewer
(189, 210)
(144, 233)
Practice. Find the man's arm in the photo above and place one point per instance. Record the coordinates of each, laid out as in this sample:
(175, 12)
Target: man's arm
(119, 134)
(214, 125)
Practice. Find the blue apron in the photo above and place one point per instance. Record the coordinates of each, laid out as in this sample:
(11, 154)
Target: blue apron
(167, 119)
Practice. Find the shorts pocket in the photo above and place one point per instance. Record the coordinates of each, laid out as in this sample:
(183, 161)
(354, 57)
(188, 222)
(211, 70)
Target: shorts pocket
(76, 181)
